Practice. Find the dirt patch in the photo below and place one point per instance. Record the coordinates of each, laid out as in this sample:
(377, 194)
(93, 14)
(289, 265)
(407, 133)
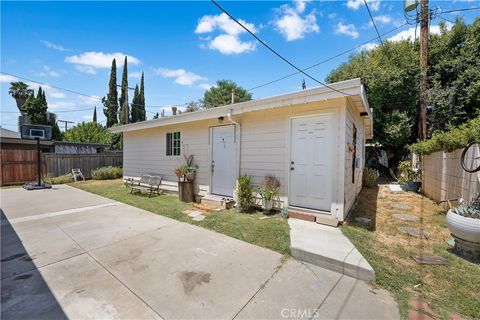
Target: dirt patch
(191, 279)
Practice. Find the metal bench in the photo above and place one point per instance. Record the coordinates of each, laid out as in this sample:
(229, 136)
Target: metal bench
(149, 183)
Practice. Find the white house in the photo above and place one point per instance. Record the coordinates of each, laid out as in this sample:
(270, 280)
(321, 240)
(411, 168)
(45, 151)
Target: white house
(312, 140)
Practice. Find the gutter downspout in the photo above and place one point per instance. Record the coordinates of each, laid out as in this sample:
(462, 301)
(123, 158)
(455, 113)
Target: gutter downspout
(238, 140)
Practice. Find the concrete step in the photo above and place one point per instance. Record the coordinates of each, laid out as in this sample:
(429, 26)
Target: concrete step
(217, 202)
(327, 247)
(312, 216)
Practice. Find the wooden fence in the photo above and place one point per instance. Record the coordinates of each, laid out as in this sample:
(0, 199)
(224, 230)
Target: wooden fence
(18, 166)
(59, 164)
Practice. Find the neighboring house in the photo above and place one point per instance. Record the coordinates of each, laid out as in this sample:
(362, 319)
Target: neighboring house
(307, 139)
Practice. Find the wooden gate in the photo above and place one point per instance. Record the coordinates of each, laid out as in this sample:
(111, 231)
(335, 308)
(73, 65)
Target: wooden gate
(18, 166)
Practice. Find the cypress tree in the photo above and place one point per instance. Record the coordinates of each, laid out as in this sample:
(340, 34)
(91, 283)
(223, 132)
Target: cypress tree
(37, 108)
(123, 94)
(95, 114)
(143, 114)
(136, 106)
(111, 102)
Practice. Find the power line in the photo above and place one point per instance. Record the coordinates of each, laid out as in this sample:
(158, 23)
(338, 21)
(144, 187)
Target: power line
(459, 10)
(274, 51)
(55, 111)
(373, 21)
(77, 92)
(326, 60)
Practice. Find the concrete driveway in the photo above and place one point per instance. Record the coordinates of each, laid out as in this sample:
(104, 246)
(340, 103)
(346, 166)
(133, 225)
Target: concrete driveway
(67, 253)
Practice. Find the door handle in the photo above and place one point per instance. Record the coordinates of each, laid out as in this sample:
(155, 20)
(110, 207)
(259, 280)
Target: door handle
(292, 168)
(291, 165)
(213, 165)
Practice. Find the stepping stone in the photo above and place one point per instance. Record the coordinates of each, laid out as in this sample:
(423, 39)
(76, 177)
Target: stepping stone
(193, 214)
(395, 188)
(199, 218)
(414, 232)
(430, 260)
(456, 316)
(421, 305)
(415, 315)
(402, 206)
(405, 217)
(363, 220)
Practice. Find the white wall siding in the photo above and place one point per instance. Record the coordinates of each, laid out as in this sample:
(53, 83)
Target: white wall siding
(353, 189)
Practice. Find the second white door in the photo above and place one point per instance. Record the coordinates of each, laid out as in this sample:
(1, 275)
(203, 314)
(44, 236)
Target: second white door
(312, 154)
(223, 177)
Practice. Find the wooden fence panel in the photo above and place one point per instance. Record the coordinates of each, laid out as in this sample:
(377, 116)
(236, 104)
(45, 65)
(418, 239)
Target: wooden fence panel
(59, 164)
(18, 166)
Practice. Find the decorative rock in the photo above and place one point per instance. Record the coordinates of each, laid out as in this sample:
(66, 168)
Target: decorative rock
(402, 206)
(199, 218)
(456, 316)
(414, 232)
(405, 217)
(421, 305)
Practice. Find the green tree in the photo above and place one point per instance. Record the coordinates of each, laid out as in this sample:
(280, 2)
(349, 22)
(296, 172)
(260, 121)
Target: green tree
(221, 94)
(88, 132)
(124, 114)
(111, 102)
(20, 92)
(136, 106)
(455, 75)
(143, 113)
(95, 114)
(36, 108)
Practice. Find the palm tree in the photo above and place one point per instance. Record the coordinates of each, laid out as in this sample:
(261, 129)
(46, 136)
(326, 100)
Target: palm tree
(20, 92)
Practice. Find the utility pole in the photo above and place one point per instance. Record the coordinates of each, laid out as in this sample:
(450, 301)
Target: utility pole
(422, 109)
(66, 123)
(233, 95)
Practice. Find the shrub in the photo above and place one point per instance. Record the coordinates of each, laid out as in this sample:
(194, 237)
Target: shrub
(407, 173)
(450, 140)
(370, 177)
(270, 188)
(245, 196)
(106, 173)
(66, 178)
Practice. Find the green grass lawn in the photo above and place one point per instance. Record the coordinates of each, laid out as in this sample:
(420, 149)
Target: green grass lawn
(270, 232)
(454, 288)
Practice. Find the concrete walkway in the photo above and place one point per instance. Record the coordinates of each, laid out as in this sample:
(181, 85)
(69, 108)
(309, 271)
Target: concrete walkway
(327, 247)
(69, 254)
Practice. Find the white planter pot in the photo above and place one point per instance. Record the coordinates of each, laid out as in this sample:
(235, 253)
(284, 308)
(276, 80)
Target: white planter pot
(464, 228)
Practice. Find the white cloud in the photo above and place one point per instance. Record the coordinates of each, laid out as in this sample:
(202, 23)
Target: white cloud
(347, 29)
(230, 44)
(228, 41)
(205, 86)
(89, 62)
(292, 25)
(383, 19)
(368, 46)
(61, 105)
(48, 72)
(8, 78)
(374, 5)
(93, 101)
(409, 34)
(135, 74)
(181, 76)
(52, 45)
(51, 92)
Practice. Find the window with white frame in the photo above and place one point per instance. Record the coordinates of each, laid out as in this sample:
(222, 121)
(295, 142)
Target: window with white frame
(173, 143)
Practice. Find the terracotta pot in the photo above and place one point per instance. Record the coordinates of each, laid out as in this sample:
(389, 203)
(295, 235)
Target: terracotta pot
(464, 228)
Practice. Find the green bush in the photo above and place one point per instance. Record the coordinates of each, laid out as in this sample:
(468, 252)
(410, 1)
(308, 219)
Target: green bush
(66, 178)
(370, 177)
(449, 140)
(245, 196)
(406, 172)
(106, 173)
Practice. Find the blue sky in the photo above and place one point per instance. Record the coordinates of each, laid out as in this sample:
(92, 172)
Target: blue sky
(183, 47)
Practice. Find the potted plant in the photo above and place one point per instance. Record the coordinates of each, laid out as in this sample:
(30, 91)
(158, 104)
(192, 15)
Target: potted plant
(409, 177)
(180, 173)
(464, 225)
(190, 169)
(269, 190)
(20, 92)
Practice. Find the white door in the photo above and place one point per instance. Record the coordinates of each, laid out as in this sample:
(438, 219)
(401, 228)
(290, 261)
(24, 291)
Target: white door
(223, 178)
(312, 155)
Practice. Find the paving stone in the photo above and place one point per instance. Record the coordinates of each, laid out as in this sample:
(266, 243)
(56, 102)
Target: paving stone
(415, 315)
(422, 305)
(363, 220)
(198, 218)
(402, 206)
(414, 232)
(405, 217)
(193, 214)
(456, 316)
